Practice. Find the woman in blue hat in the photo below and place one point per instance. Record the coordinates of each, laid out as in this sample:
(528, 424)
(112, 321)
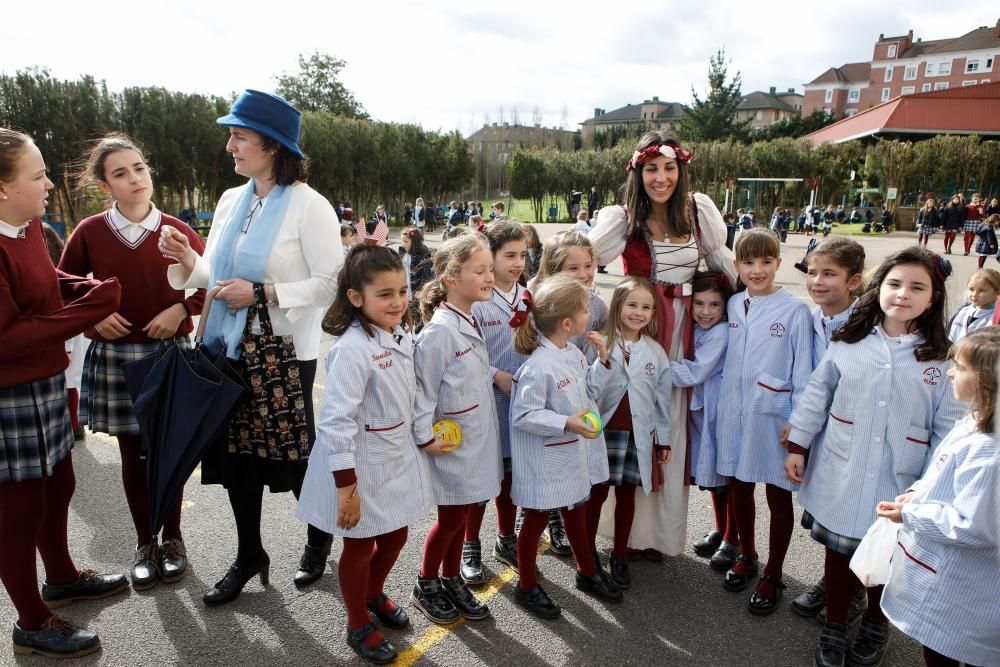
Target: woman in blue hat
(275, 252)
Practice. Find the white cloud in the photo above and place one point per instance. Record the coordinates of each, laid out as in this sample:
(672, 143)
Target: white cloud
(450, 64)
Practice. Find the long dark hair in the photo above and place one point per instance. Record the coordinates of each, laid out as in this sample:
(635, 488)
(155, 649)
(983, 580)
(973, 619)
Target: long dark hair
(637, 202)
(930, 324)
(362, 264)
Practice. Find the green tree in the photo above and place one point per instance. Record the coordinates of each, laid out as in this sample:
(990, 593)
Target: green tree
(796, 126)
(715, 116)
(528, 177)
(317, 87)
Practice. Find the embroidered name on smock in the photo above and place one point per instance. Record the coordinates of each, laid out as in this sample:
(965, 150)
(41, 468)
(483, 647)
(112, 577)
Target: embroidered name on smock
(932, 376)
(383, 355)
(491, 323)
(465, 351)
(562, 384)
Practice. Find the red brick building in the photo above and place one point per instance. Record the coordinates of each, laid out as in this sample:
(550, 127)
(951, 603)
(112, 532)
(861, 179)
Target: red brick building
(902, 66)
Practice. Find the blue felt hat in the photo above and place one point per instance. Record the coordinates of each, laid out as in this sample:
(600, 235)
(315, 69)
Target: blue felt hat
(266, 114)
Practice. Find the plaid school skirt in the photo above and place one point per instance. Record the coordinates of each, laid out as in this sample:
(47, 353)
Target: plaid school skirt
(970, 225)
(623, 458)
(831, 540)
(106, 406)
(35, 431)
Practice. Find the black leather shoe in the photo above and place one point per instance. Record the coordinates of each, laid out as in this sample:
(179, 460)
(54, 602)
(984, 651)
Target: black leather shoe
(429, 597)
(472, 562)
(88, 586)
(145, 572)
(173, 561)
(537, 602)
(230, 586)
(832, 646)
(618, 568)
(859, 602)
(395, 619)
(312, 565)
(57, 638)
(762, 605)
(812, 601)
(505, 550)
(467, 604)
(708, 544)
(381, 654)
(558, 542)
(598, 587)
(738, 577)
(724, 557)
(870, 642)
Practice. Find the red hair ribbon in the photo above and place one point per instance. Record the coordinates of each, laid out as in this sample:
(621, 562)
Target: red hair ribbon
(656, 150)
(942, 267)
(521, 313)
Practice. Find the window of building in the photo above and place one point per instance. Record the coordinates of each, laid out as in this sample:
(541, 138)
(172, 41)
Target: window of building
(941, 85)
(907, 90)
(972, 66)
(925, 88)
(929, 69)
(944, 69)
(850, 112)
(829, 96)
(910, 73)
(888, 74)
(989, 63)
(885, 94)
(969, 83)
(758, 115)
(853, 96)
(985, 81)
(891, 53)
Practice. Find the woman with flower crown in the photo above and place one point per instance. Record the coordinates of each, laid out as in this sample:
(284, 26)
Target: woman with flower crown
(663, 232)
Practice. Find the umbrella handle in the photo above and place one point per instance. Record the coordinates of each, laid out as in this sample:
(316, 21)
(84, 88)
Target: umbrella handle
(205, 310)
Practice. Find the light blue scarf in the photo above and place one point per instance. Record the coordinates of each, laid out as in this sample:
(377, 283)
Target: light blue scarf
(224, 330)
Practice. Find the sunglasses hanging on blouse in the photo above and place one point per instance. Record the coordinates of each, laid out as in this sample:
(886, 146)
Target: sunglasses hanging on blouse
(253, 211)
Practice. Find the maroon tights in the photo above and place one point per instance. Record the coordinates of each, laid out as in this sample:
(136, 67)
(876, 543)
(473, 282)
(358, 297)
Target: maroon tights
(363, 568)
(34, 514)
(535, 521)
(840, 586)
(443, 547)
(137, 493)
(624, 513)
(779, 502)
(725, 520)
(506, 513)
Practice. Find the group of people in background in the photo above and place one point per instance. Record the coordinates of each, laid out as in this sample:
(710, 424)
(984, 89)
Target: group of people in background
(571, 416)
(977, 222)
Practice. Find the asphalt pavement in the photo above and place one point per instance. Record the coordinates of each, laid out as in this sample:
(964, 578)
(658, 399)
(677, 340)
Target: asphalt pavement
(677, 612)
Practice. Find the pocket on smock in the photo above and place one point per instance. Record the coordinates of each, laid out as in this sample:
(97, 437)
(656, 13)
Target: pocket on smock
(772, 396)
(839, 433)
(914, 451)
(913, 571)
(385, 438)
(562, 457)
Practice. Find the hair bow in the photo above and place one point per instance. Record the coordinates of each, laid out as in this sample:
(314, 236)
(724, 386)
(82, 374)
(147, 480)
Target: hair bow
(942, 267)
(652, 152)
(521, 312)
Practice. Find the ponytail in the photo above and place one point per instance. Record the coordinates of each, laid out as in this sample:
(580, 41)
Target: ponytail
(526, 336)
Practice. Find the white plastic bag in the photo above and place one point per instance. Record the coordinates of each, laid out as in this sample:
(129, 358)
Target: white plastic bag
(871, 561)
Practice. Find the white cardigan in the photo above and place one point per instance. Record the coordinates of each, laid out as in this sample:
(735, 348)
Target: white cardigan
(303, 265)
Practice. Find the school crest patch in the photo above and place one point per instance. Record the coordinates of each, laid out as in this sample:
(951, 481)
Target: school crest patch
(932, 376)
(777, 330)
(650, 369)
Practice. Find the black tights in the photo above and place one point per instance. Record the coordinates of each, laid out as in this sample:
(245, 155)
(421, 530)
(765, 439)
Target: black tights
(246, 501)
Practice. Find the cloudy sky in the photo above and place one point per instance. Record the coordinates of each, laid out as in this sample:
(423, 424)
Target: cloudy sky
(452, 64)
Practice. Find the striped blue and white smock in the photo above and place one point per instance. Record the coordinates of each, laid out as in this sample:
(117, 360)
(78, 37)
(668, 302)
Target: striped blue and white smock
(967, 319)
(768, 362)
(597, 319)
(823, 328)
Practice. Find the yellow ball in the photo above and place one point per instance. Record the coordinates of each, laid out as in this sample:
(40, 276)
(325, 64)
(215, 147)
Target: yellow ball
(449, 431)
(593, 420)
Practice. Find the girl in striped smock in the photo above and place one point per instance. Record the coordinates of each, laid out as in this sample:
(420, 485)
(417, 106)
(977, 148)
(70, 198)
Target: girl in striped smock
(875, 408)
(571, 254)
(635, 409)
(704, 375)
(768, 362)
(122, 242)
(944, 579)
(977, 313)
(550, 442)
(453, 374)
(508, 245)
(364, 481)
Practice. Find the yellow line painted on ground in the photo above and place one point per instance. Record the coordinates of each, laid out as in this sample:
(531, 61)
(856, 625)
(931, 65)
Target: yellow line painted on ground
(435, 634)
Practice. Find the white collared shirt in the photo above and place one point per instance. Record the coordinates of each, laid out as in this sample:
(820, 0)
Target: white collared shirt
(12, 232)
(133, 232)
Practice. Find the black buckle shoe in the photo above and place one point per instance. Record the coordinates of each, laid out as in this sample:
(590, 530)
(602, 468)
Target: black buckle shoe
(57, 638)
(395, 619)
(708, 544)
(832, 646)
(724, 557)
(505, 551)
(536, 601)
(739, 575)
(381, 654)
(870, 642)
(472, 562)
(173, 561)
(812, 601)
(618, 567)
(467, 604)
(598, 587)
(762, 605)
(558, 542)
(88, 586)
(231, 585)
(312, 565)
(145, 572)
(859, 602)
(429, 597)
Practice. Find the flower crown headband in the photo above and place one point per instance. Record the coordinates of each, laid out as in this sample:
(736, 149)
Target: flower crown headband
(656, 150)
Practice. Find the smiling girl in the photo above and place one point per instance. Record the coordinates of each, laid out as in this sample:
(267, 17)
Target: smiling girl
(977, 313)
(122, 243)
